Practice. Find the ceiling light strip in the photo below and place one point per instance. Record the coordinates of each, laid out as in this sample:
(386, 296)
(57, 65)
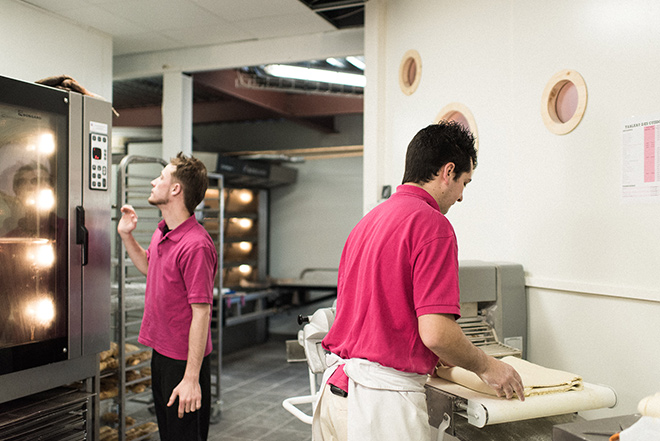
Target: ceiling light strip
(319, 75)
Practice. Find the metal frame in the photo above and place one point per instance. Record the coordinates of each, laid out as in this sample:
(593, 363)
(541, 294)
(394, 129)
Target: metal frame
(216, 216)
(123, 317)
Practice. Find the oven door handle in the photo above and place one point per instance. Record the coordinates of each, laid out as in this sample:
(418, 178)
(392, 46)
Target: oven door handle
(82, 235)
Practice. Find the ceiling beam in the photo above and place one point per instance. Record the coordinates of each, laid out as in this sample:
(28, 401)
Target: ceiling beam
(245, 104)
(292, 104)
(225, 81)
(203, 113)
(139, 117)
(314, 111)
(305, 105)
(303, 152)
(339, 43)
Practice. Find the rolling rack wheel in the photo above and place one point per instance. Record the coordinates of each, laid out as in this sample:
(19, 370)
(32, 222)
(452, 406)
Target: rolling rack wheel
(216, 412)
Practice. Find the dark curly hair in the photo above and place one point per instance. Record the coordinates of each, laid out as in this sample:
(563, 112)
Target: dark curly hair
(436, 145)
(191, 173)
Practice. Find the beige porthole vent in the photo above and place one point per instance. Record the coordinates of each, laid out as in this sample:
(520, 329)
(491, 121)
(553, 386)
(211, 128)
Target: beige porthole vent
(410, 72)
(564, 102)
(461, 114)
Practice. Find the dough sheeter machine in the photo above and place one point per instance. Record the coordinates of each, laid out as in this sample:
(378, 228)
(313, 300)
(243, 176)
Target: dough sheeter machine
(494, 317)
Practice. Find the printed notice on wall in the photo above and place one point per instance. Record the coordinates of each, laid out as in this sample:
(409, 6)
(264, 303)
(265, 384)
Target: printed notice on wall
(641, 159)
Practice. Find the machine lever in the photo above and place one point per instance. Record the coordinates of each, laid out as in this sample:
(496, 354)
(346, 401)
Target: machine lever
(82, 235)
(442, 428)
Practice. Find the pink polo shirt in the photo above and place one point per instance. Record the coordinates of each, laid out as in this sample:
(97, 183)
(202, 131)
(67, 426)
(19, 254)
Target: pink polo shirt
(182, 267)
(399, 262)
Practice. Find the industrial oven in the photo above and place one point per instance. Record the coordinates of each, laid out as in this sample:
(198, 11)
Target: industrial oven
(54, 236)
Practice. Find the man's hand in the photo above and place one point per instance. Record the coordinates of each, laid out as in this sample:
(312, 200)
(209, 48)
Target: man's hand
(441, 334)
(503, 378)
(189, 391)
(128, 221)
(190, 396)
(125, 227)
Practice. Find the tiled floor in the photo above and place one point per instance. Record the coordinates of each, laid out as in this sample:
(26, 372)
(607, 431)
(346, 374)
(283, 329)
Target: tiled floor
(254, 382)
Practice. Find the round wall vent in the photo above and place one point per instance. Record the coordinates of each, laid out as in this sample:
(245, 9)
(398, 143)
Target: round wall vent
(564, 102)
(461, 114)
(410, 72)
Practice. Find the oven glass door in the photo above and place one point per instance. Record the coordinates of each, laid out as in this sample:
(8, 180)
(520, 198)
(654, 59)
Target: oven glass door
(33, 234)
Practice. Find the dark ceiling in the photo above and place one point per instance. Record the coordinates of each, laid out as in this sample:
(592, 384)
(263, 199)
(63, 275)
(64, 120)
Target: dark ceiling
(249, 94)
(233, 95)
(148, 92)
(340, 13)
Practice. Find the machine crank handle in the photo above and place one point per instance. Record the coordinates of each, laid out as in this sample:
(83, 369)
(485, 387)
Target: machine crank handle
(442, 428)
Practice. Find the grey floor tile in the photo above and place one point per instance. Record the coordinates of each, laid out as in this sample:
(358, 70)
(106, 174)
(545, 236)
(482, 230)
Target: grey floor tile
(254, 382)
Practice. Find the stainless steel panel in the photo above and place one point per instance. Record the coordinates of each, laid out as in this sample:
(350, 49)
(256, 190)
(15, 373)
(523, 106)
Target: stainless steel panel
(499, 290)
(75, 200)
(477, 281)
(512, 298)
(97, 120)
(41, 378)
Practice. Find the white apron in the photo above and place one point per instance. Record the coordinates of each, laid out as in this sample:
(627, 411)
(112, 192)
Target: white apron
(383, 403)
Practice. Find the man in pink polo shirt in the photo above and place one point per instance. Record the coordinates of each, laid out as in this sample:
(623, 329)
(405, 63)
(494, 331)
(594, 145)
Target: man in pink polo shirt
(180, 265)
(397, 302)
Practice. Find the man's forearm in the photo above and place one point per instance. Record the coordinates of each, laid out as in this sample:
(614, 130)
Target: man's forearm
(135, 251)
(199, 331)
(189, 389)
(452, 346)
(442, 335)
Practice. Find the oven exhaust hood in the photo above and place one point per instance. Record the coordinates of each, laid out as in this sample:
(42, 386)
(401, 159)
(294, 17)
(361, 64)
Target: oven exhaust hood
(254, 174)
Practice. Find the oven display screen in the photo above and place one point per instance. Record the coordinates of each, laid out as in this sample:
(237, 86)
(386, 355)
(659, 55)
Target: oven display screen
(97, 153)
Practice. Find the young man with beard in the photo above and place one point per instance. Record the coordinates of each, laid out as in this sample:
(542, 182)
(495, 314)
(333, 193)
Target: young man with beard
(180, 264)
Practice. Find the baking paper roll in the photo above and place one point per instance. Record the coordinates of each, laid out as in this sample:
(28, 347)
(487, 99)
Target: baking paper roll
(486, 410)
(650, 406)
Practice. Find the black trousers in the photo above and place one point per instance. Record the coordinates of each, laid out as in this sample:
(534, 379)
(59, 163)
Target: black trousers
(166, 374)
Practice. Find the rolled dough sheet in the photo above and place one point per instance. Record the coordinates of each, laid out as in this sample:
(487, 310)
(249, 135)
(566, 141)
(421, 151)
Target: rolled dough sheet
(538, 380)
(484, 409)
(650, 406)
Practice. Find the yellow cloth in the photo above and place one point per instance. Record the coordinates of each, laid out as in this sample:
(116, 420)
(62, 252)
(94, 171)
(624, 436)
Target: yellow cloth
(537, 380)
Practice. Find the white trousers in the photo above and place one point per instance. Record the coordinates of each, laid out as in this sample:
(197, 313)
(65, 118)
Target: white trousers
(383, 404)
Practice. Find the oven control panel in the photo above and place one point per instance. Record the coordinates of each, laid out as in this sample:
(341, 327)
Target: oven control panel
(98, 167)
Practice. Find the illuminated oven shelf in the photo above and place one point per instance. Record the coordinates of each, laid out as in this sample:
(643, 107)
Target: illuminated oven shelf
(245, 232)
(24, 240)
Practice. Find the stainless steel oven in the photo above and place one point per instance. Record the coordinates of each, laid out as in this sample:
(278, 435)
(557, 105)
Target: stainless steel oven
(54, 236)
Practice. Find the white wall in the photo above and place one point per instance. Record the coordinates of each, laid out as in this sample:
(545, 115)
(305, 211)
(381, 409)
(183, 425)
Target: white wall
(311, 219)
(549, 202)
(608, 340)
(36, 44)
